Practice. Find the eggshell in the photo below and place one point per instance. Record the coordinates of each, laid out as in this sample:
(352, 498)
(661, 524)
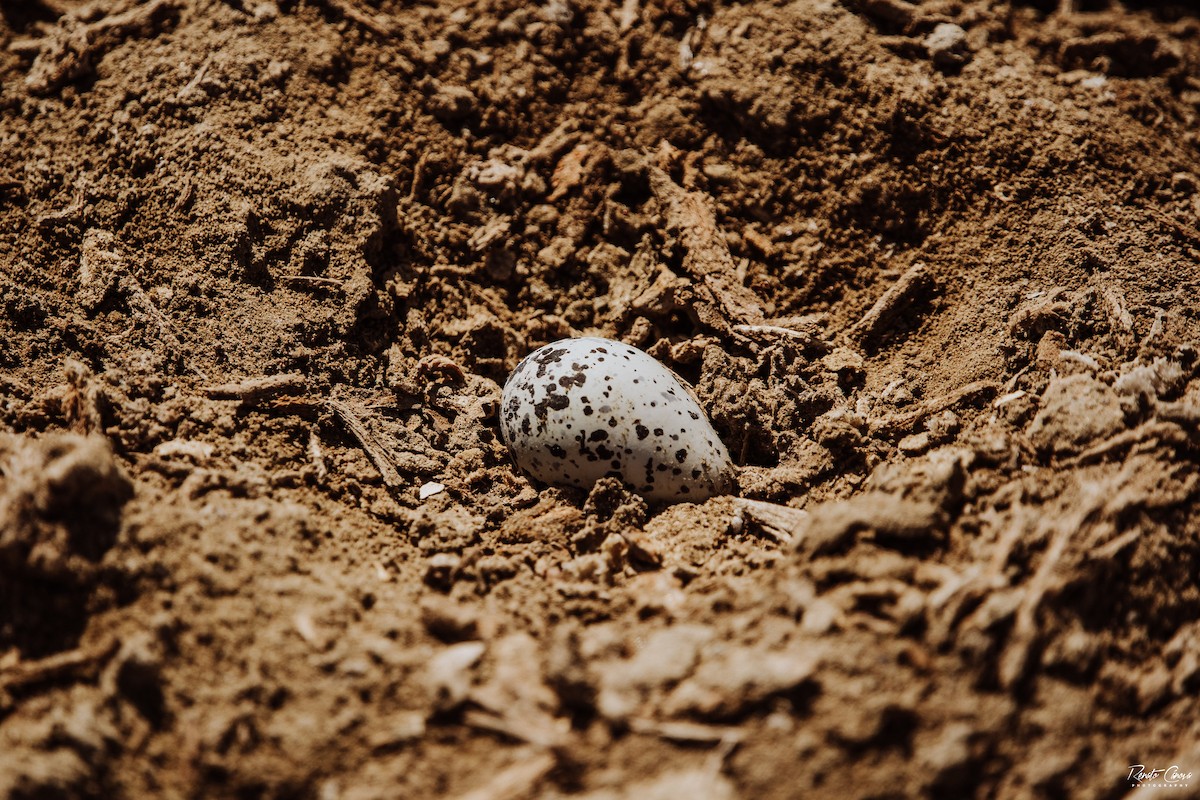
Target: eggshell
(578, 410)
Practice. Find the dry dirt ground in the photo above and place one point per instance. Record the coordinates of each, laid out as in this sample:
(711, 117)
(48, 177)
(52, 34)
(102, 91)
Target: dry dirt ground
(932, 268)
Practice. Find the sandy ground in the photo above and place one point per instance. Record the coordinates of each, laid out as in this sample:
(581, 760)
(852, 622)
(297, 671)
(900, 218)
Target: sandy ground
(931, 267)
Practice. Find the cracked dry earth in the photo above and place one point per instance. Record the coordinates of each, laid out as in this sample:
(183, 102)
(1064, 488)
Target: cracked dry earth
(932, 270)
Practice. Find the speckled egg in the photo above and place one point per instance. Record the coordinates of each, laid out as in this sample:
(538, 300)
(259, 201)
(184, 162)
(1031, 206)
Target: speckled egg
(583, 409)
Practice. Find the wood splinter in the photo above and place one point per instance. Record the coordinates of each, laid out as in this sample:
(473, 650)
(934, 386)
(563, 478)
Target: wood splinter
(706, 256)
(779, 523)
(912, 286)
(260, 388)
(367, 440)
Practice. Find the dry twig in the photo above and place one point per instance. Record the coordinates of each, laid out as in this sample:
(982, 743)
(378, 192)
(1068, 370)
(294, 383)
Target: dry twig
(1025, 631)
(779, 523)
(59, 665)
(528, 729)
(376, 24)
(773, 332)
(517, 781)
(252, 390)
(706, 256)
(895, 424)
(367, 440)
(1154, 430)
(912, 284)
(317, 456)
(688, 732)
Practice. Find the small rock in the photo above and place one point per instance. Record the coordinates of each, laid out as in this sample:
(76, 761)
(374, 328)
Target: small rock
(452, 103)
(947, 46)
(448, 620)
(947, 758)
(914, 444)
(430, 489)
(395, 731)
(441, 569)
(845, 362)
(1147, 383)
(264, 12)
(942, 427)
(1076, 410)
(1183, 183)
(448, 675)
(730, 679)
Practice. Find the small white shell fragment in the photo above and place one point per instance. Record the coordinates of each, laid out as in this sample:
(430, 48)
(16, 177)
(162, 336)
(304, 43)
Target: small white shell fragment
(430, 489)
(578, 410)
(198, 452)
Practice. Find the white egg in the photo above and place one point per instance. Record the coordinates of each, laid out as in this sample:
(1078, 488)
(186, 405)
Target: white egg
(579, 410)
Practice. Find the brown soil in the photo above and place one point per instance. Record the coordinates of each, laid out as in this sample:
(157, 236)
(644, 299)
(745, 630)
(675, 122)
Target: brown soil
(932, 268)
